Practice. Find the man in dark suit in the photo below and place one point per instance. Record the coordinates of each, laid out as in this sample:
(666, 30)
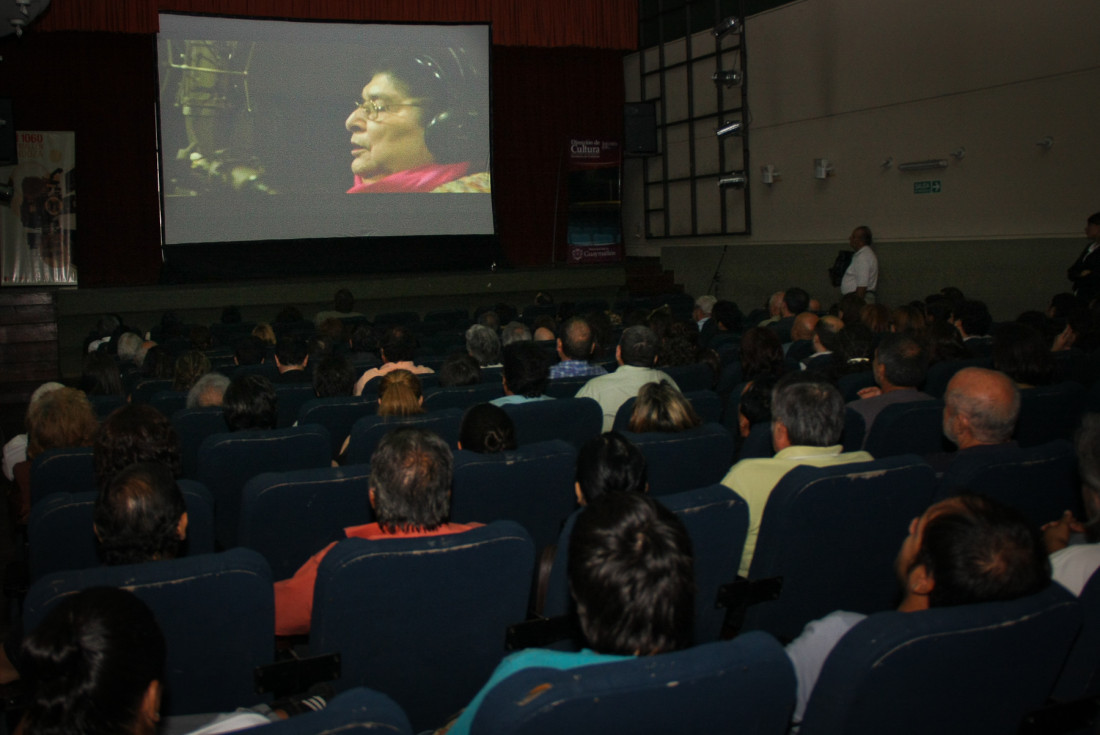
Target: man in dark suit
(1085, 271)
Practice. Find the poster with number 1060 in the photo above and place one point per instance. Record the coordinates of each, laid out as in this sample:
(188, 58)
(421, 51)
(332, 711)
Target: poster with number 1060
(38, 211)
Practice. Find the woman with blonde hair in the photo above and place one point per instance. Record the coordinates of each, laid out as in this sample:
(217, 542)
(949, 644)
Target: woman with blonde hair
(264, 332)
(660, 407)
(399, 394)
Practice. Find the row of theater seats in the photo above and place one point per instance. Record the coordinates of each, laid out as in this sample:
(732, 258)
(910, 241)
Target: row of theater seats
(424, 620)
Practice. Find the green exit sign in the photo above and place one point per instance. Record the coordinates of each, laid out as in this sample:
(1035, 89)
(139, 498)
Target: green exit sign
(926, 187)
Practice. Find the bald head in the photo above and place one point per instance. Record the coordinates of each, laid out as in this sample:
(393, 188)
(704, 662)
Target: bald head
(980, 407)
(803, 327)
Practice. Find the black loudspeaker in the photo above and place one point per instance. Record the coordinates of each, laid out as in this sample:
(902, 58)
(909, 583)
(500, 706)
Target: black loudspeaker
(7, 133)
(640, 129)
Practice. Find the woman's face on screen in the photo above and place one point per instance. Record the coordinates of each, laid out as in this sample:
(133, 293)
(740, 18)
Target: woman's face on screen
(386, 130)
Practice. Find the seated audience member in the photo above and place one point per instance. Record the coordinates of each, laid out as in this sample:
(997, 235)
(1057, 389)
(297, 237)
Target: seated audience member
(100, 376)
(343, 308)
(728, 321)
(15, 451)
(680, 345)
(59, 418)
(850, 309)
(546, 328)
(801, 345)
(140, 516)
(1073, 564)
(1022, 353)
(250, 402)
(979, 414)
(134, 433)
(410, 492)
(602, 334)
(908, 319)
(755, 406)
(291, 360)
(486, 429)
(701, 316)
(973, 321)
(630, 573)
(190, 366)
(129, 349)
(962, 551)
(807, 420)
(398, 349)
(250, 350)
(610, 463)
(761, 354)
(660, 407)
(575, 346)
(636, 355)
(876, 317)
(399, 394)
(795, 301)
(459, 368)
(265, 333)
(158, 364)
(945, 343)
(207, 391)
(514, 332)
(483, 344)
(333, 376)
(900, 365)
(525, 375)
(826, 335)
(94, 666)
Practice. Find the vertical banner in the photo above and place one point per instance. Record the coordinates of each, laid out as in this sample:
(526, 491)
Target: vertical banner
(38, 211)
(595, 206)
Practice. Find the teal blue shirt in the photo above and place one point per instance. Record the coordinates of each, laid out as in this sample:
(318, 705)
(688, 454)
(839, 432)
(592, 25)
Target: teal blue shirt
(528, 659)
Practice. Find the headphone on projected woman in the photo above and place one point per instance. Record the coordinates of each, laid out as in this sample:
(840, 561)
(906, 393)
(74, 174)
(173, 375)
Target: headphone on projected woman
(458, 127)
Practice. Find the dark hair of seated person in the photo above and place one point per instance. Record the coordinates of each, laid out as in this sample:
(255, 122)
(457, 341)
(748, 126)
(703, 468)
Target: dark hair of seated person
(140, 517)
(630, 573)
(526, 369)
(459, 368)
(94, 666)
(410, 482)
(660, 407)
(486, 429)
(333, 376)
(610, 463)
(1021, 353)
(250, 402)
(133, 433)
(100, 375)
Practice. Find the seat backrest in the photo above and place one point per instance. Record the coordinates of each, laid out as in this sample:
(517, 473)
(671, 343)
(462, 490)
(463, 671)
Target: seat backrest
(62, 470)
(706, 403)
(228, 461)
(337, 414)
(217, 612)
(369, 430)
(745, 685)
(463, 396)
(697, 376)
(1080, 677)
(290, 397)
(146, 388)
(851, 384)
(1049, 412)
(1041, 482)
(533, 486)
(685, 459)
(575, 420)
(907, 428)
(717, 522)
(169, 401)
(358, 709)
(758, 443)
(966, 669)
(104, 405)
(940, 374)
(422, 619)
(61, 535)
(289, 516)
(193, 425)
(832, 534)
(567, 387)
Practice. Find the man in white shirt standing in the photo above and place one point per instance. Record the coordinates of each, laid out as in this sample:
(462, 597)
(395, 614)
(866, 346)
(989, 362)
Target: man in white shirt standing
(861, 278)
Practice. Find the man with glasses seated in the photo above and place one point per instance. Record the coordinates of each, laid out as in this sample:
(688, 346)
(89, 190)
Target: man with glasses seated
(421, 126)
